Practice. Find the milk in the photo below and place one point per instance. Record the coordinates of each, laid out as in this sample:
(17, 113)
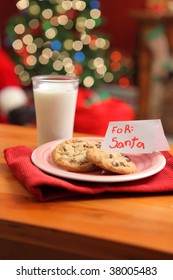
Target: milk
(55, 105)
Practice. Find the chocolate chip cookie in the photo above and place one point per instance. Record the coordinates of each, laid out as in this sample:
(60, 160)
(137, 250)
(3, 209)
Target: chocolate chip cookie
(111, 161)
(71, 155)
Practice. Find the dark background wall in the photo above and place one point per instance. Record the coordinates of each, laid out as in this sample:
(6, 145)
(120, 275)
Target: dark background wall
(118, 23)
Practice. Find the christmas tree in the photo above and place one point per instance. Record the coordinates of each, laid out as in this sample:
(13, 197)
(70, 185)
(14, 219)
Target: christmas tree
(63, 37)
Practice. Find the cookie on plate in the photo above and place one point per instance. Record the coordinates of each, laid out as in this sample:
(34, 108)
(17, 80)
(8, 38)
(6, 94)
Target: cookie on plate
(111, 161)
(71, 155)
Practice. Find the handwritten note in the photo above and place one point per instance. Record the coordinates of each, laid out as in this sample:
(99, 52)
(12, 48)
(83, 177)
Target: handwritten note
(141, 136)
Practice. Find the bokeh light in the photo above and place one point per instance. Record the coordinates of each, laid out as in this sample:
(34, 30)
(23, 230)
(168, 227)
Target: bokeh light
(63, 36)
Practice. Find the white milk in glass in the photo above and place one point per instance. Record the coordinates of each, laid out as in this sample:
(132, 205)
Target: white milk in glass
(55, 105)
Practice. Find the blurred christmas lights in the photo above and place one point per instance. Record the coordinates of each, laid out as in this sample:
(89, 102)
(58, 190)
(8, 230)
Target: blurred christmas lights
(60, 36)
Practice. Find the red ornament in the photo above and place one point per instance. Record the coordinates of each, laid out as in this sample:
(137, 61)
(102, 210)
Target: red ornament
(124, 82)
(71, 14)
(78, 69)
(115, 56)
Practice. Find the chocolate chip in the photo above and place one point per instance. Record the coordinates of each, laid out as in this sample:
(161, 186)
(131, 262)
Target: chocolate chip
(110, 156)
(127, 158)
(116, 164)
(98, 145)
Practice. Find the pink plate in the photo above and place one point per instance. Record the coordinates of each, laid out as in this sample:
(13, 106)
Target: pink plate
(147, 165)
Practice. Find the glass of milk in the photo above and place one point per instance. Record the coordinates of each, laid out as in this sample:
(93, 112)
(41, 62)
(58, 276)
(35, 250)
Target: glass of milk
(55, 105)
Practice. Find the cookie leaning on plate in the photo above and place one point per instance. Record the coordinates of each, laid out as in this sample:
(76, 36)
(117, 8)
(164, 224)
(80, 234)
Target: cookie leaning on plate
(111, 161)
(71, 155)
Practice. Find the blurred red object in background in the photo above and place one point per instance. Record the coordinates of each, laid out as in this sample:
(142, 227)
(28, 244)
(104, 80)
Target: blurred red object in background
(93, 118)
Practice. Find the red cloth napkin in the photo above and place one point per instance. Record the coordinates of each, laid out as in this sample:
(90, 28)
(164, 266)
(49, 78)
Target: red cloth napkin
(45, 187)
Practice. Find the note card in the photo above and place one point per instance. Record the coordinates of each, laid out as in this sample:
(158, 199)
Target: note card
(140, 136)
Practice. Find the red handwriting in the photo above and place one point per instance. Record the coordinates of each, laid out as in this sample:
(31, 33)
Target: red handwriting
(131, 143)
(119, 130)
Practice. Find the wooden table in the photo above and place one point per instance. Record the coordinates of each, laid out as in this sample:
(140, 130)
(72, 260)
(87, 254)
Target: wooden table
(110, 226)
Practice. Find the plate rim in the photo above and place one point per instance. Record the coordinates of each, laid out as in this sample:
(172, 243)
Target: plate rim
(88, 177)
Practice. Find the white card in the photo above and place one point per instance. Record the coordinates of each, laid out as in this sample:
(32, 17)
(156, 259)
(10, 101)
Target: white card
(140, 136)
